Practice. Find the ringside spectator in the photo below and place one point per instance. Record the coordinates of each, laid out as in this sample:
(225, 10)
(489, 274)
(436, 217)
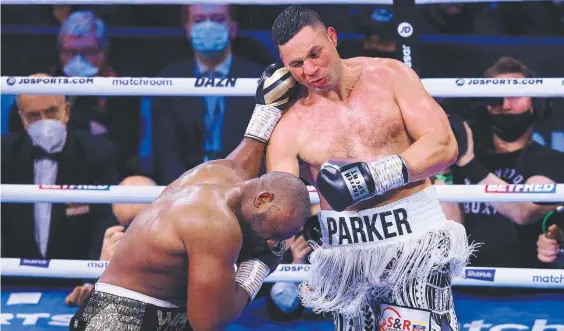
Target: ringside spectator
(508, 157)
(83, 49)
(190, 130)
(49, 152)
(379, 31)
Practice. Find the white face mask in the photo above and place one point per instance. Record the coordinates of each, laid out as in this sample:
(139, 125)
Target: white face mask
(48, 134)
(79, 67)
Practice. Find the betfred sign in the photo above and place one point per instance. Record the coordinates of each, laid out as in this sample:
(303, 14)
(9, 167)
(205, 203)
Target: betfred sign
(521, 188)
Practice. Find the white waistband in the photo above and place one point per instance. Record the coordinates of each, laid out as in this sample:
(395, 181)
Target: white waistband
(122, 292)
(395, 222)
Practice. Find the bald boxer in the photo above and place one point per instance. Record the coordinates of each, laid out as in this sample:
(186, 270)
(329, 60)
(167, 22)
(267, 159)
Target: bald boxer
(174, 267)
(371, 136)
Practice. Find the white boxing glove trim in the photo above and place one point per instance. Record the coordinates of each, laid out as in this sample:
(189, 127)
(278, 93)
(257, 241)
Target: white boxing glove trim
(262, 122)
(250, 276)
(388, 173)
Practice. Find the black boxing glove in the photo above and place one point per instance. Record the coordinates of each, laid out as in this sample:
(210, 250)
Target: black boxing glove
(344, 184)
(276, 89)
(312, 232)
(457, 125)
(251, 273)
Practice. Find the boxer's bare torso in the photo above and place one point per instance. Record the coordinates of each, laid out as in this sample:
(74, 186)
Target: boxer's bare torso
(368, 124)
(152, 256)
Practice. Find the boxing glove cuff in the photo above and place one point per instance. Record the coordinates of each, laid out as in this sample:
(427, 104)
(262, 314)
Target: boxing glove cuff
(250, 276)
(389, 172)
(262, 122)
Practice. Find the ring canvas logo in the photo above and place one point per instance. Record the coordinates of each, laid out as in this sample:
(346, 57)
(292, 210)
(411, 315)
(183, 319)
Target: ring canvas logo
(480, 274)
(521, 188)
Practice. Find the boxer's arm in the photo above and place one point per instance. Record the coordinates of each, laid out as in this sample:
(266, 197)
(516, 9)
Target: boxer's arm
(247, 158)
(282, 150)
(214, 298)
(434, 147)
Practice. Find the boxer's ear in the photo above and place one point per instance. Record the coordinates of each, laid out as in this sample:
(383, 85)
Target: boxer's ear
(263, 199)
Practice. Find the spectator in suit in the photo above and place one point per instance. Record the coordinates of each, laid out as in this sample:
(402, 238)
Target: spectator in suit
(49, 152)
(125, 214)
(190, 130)
(83, 48)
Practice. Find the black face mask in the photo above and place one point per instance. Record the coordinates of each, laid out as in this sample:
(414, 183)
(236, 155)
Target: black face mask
(510, 127)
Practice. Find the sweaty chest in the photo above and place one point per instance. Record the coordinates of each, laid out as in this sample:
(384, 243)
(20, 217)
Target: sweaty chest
(364, 127)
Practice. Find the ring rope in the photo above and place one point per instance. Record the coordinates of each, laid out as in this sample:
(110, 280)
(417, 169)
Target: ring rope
(474, 276)
(233, 86)
(234, 2)
(16, 193)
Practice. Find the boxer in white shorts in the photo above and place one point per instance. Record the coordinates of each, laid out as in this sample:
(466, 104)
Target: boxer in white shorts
(372, 136)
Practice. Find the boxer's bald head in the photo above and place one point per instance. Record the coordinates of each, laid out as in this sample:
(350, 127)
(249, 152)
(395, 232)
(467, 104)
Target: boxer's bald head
(276, 206)
(33, 108)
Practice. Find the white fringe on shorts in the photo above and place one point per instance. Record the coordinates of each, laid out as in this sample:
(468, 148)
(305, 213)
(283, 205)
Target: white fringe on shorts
(343, 279)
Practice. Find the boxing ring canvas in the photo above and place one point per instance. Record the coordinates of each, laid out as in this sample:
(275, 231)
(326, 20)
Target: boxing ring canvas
(28, 309)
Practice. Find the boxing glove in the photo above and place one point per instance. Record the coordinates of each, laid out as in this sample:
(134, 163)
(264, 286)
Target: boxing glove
(276, 90)
(252, 272)
(343, 184)
(457, 125)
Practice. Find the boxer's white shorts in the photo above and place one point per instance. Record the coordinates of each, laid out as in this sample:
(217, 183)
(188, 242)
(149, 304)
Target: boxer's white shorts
(381, 252)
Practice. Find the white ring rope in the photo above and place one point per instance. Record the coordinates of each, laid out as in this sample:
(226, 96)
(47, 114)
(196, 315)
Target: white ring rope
(235, 2)
(474, 276)
(146, 194)
(232, 86)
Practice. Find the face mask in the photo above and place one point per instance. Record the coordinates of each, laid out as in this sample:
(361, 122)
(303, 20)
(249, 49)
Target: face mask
(285, 296)
(79, 67)
(50, 135)
(510, 127)
(209, 38)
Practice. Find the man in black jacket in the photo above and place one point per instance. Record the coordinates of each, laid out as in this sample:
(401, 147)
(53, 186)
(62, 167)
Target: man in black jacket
(49, 153)
(190, 130)
(505, 157)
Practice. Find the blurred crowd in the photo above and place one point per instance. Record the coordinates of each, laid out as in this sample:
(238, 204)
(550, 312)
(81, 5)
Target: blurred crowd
(97, 140)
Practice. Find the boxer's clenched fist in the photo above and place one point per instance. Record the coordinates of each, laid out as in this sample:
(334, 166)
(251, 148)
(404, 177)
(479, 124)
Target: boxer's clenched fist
(344, 183)
(276, 89)
(252, 272)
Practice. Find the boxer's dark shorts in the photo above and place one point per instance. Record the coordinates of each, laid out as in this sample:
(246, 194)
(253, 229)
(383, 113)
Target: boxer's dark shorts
(105, 311)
